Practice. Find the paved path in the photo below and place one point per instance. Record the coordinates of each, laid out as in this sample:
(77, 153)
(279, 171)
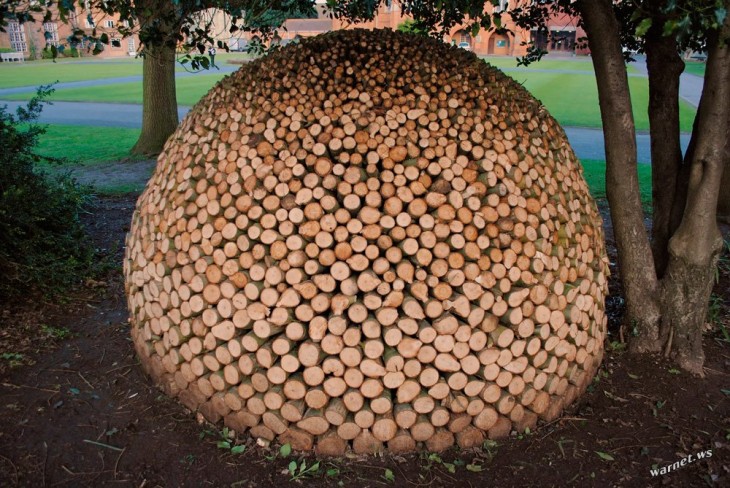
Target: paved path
(587, 143)
(690, 86)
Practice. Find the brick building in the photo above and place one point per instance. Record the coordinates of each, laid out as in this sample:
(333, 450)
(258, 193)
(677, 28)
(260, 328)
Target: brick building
(389, 16)
(31, 38)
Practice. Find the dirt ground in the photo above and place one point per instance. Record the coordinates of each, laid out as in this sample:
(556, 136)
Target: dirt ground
(76, 410)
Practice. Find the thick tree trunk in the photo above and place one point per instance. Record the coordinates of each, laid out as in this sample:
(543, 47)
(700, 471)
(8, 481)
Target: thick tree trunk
(159, 100)
(622, 182)
(695, 247)
(665, 67)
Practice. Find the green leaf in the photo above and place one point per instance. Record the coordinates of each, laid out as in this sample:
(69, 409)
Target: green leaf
(389, 476)
(333, 472)
(643, 27)
(633, 376)
(675, 371)
(669, 27)
(223, 445)
(604, 456)
(292, 467)
(104, 38)
(450, 467)
(725, 392)
(285, 450)
(474, 468)
(314, 468)
(238, 449)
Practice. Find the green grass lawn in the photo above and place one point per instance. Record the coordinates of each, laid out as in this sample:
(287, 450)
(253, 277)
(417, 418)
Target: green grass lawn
(43, 72)
(695, 68)
(579, 63)
(189, 91)
(573, 99)
(594, 171)
(87, 145)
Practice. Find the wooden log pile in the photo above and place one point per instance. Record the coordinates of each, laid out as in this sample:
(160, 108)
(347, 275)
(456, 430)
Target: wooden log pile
(369, 240)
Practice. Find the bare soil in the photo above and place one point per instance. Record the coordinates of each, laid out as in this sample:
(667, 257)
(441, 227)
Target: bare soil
(78, 411)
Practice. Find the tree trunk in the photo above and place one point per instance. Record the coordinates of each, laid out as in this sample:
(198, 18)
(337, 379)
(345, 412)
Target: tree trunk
(665, 67)
(622, 181)
(695, 247)
(159, 100)
(723, 204)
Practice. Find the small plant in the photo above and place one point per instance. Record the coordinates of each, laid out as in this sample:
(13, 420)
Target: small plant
(489, 448)
(524, 434)
(716, 315)
(284, 452)
(433, 459)
(227, 442)
(188, 460)
(616, 346)
(605, 456)
(657, 406)
(298, 471)
(14, 359)
(389, 476)
(56, 332)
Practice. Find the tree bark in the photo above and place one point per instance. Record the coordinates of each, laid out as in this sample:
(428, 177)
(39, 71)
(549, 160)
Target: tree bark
(159, 100)
(723, 204)
(695, 246)
(622, 182)
(665, 67)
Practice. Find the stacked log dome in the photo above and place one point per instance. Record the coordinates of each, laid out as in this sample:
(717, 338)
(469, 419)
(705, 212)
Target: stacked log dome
(368, 240)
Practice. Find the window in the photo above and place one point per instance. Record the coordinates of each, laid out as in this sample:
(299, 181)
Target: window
(89, 22)
(503, 5)
(116, 42)
(109, 23)
(131, 48)
(16, 33)
(50, 30)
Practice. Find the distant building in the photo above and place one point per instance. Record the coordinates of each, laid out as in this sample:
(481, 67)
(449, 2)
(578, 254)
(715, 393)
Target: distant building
(562, 35)
(31, 38)
(390, 16)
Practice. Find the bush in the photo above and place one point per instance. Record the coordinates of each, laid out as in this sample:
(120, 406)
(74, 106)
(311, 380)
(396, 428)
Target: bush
(42, 241)
(410, 26)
